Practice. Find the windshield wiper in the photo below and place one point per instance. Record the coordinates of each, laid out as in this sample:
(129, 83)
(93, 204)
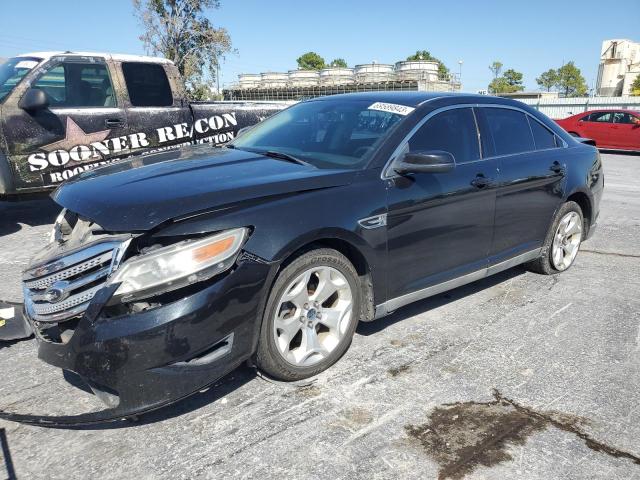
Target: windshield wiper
(284, 156)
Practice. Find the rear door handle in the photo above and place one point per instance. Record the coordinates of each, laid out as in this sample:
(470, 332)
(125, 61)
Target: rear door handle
(114, 122)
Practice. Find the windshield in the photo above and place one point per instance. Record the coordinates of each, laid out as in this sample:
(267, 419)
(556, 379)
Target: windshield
(325, 133)
(12, 71)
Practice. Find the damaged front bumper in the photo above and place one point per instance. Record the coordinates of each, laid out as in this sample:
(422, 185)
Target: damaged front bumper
(140, 361)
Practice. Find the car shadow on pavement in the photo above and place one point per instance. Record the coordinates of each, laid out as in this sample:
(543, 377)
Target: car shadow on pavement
(422, 306)
(626, 153)
(31, 212)
(245, 374)
(217, 391)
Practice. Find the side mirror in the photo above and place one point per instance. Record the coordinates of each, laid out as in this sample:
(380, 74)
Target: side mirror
(35, 99)
(433, 161)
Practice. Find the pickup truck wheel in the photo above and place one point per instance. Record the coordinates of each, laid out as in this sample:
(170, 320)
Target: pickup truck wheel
(311, 316)
(563, 241)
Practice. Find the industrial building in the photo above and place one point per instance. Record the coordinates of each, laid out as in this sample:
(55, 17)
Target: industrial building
(300, 84)
(619, 67)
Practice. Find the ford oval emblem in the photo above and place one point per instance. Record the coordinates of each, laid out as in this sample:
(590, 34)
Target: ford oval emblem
(56, 292)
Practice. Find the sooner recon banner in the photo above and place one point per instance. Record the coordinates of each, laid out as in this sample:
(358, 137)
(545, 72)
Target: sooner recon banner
(80, 150)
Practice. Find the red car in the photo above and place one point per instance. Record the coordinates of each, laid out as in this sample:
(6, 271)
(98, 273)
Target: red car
(614, 129)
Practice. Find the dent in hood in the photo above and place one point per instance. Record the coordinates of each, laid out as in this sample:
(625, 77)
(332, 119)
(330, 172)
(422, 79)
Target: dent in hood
(141, 193)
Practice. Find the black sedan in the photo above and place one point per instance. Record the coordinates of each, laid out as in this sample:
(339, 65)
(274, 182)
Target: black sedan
(166, 272)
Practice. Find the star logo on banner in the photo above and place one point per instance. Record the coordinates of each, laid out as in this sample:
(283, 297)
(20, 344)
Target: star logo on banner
(76, 136)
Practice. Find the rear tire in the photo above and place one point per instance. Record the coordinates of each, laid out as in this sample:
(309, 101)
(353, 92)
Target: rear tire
(310, 317)
(562, 242)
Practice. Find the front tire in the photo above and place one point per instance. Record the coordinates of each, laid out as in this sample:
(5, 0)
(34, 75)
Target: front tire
(563, 241)
(311, 316)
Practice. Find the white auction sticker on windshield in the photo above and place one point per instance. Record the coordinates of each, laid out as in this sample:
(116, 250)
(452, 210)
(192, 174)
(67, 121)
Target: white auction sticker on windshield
(392, 108)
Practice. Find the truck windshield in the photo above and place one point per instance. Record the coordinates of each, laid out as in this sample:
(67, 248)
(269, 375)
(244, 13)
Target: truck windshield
(12, 71)
(325, 133)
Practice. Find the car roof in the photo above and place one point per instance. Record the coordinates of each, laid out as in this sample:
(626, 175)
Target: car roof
(415, 98)
(114, 56)
(625, 110)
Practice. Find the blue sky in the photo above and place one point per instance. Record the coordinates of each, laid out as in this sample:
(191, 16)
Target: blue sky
(269, 35)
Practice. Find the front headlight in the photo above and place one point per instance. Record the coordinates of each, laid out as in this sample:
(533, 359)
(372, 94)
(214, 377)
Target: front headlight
(178, 265)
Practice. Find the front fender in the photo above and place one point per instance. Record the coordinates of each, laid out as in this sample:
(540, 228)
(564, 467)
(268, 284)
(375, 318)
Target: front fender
(281, 226)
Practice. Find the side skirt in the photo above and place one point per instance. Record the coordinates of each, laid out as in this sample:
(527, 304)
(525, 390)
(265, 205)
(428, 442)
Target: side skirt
(391, 305)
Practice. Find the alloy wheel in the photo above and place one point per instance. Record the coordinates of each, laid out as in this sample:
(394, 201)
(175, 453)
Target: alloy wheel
(566, 241)
(312, 316)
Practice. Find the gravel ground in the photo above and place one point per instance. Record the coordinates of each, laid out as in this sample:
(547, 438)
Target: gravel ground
(516, 376)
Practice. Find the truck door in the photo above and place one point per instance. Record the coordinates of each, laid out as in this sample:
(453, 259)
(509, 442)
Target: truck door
(155, 104)
(79, 129)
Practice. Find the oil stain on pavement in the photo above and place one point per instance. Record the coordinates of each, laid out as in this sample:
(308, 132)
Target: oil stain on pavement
(465, 435)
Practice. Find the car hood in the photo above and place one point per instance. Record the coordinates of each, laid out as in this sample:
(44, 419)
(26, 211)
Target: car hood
(143, 192)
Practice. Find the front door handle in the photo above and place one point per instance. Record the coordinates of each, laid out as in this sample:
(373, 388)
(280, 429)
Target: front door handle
(114, 122)
(481, 181)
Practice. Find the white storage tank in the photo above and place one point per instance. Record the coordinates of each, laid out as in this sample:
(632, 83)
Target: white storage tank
(417, 70)
(336, 76)
(274, 80)
(374, 72)
(303, 78)
(249, 80)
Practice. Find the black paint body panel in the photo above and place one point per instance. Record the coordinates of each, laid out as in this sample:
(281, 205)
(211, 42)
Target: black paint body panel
(439, 227)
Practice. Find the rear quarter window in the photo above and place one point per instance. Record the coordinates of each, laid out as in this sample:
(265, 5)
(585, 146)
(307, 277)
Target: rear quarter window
(147, 84)
(510, 131)
(542, 136)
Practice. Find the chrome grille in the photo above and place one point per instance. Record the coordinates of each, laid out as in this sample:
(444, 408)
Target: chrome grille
(49, 308)
(63, 288)
(49, 280)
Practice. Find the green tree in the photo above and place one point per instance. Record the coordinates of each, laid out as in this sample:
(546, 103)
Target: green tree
(548, 79)
(339, 62)
(510, 82)
(570, 81)
(443, 71)
(635, 86)
(496, 68)
(499, 85)
(514, 80)
(310, 61)
(202, 91)
(181, 31)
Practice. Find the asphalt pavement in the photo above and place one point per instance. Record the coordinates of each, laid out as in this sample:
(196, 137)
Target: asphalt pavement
(516, 376)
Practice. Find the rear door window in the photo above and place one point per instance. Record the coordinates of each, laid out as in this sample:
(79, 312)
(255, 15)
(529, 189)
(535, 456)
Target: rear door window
(510, 131)
(623, 117)
(542, 136)
(147, 84)
(452, 131)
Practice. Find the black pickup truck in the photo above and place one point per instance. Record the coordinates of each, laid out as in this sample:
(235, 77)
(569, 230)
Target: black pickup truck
(62, 113)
